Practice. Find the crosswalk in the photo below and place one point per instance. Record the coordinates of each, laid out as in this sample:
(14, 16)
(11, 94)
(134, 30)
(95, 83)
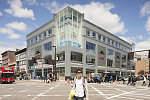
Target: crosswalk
(61, 90)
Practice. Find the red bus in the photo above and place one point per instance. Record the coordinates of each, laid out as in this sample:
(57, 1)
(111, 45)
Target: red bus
(7, 74)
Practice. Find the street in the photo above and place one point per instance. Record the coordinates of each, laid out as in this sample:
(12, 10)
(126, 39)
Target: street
(38, 90)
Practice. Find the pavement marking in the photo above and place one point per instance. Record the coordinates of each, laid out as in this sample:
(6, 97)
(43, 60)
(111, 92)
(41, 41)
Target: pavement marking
(120, 95)
(129, 98)
(7, 95)
(22, 91)
(101, 93)
(44, 92)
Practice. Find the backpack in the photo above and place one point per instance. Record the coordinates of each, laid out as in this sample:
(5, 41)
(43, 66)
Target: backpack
(83, 82)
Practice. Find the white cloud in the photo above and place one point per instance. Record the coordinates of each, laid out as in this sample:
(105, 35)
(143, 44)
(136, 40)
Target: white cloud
(10, 46)
(144, 45)
(31, 2)
(1, 14)
(17, 10)
(101, 15)
(145, 9)
(20, 26)
(147, 25)
(52, 6)
(139, 37)
(10, 32)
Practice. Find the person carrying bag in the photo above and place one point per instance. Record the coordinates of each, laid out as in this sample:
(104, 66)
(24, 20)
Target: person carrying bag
(80, 87)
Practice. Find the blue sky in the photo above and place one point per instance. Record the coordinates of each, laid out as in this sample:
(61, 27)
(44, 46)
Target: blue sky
(127, 19)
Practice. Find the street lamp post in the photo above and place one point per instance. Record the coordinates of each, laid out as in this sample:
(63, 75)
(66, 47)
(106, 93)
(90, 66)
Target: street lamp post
(54, 64)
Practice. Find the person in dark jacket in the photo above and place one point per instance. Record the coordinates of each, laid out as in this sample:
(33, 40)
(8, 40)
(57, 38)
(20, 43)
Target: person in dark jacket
(134, 80)
(129, 79)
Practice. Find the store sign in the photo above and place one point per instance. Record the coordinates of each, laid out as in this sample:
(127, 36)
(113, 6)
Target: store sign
(22, 69)
(101, 57)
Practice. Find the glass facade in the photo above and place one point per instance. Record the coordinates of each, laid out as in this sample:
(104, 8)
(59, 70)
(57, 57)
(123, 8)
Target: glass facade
(110, 57)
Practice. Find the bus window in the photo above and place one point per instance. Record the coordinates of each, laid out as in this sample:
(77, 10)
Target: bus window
(7, 75)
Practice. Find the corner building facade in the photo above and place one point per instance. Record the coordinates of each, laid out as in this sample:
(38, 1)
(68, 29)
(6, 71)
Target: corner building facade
(79, 44)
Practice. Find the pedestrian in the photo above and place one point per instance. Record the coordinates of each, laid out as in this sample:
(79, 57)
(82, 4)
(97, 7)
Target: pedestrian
(149, 81)
(111, 79)
(80, 86)
(124, 80)
(134, 80)
(118, 80)
(99, 79)
(144, 81)
(129, 79)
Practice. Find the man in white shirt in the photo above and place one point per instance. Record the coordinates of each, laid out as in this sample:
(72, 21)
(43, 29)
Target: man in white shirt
(81, 88)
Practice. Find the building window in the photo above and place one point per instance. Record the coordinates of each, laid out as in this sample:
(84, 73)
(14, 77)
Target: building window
(70, 43)
(44, 34)
(61, 56)
(90, 46)
(123, 61)
(50, 32)
(75, 44)
(48, 46)
(76, 56)
(94, 35)
(110, 57)
(108, 41)
(112, 43)
(28, 42)
(99, 37)
(36, 39)
(116, 44)
(90, 60)
(87, 32)
(31, 41)
(40, 37)
(104, 39)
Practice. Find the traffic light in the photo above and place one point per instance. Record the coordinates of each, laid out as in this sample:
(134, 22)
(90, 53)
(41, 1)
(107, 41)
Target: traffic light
(130, 55)
(37, 54)
(33, 59)
(149, 54)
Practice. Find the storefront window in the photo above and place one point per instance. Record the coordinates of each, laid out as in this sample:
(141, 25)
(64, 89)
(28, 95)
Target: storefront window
(123, 61)
(61, 56)
(90, 60)
(76, 56)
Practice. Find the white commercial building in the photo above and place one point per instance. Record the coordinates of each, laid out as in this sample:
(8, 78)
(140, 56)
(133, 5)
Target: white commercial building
(79, 44)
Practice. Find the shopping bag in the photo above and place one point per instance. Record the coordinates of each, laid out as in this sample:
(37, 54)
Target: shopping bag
(72, 94)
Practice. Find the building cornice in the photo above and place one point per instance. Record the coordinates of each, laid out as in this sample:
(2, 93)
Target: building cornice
(106, 31)
(41, 27)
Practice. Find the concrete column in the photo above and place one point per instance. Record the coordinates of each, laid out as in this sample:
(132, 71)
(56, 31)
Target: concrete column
(106, 60)
(42, 71)
(67, 62)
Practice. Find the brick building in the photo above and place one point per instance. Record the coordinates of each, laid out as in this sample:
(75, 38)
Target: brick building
(142, 65)
(8, 59)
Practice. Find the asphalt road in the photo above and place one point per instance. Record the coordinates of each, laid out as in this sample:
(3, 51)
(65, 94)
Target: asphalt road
(38, 90)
